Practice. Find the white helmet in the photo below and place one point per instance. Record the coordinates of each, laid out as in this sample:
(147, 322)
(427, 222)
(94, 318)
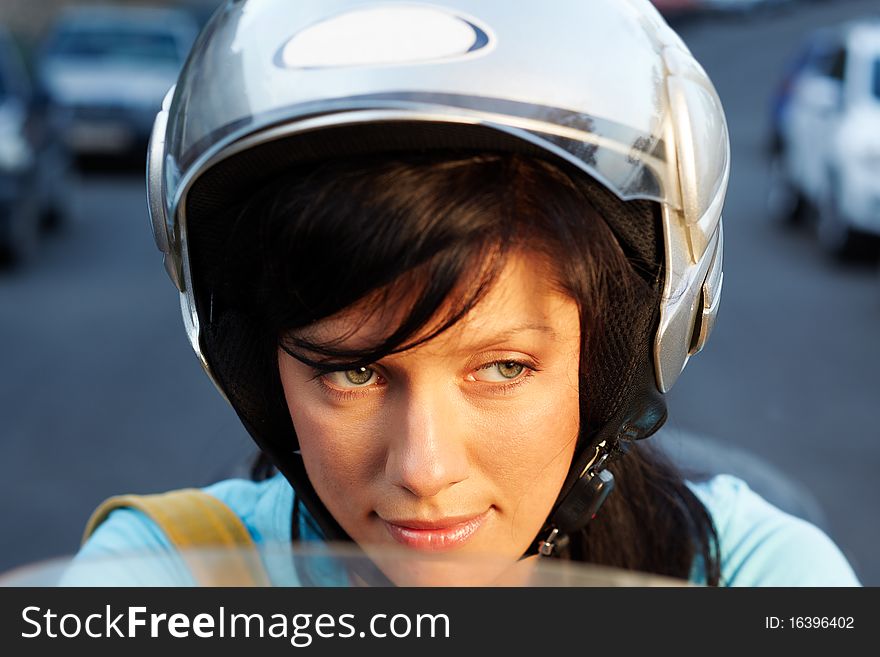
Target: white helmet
(604, 85)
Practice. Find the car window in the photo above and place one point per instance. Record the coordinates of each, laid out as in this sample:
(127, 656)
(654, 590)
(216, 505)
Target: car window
(828, 61)
(838, 65)
(121, 43)
(876, 82)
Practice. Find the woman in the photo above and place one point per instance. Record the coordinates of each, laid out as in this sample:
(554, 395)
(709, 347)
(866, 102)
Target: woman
(444, 262)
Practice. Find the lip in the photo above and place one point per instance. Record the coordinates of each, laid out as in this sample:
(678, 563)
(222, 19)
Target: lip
(435, 535)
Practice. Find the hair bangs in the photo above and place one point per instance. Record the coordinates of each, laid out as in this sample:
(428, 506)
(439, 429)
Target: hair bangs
(425, 240)
(436, 296)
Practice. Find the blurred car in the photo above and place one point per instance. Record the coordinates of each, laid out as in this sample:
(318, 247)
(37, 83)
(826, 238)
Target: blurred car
(108, 68)
(785, 201)
(827, 154)
(33, 164)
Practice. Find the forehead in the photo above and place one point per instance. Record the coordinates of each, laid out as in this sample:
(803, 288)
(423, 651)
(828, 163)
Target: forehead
(524, 299)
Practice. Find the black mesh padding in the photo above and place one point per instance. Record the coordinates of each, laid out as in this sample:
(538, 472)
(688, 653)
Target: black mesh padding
(637, 228)
(624, 401)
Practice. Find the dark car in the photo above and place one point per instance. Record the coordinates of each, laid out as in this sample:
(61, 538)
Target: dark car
(33, 164)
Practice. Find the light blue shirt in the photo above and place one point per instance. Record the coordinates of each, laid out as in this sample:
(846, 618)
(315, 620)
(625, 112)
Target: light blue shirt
(759, 544)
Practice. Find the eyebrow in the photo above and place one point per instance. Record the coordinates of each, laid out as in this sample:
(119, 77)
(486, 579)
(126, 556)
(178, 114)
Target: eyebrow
(493, 340)
(509, 333)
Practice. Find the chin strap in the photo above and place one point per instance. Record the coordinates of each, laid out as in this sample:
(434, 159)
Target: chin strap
(583, 501)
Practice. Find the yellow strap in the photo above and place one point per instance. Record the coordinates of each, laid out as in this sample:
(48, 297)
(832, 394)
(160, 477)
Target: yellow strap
(191, 518)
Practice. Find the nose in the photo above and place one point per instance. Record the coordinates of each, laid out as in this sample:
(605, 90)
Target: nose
(427, 452)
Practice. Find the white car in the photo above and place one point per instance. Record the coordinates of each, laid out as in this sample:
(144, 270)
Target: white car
(828, 141)
(108, 69)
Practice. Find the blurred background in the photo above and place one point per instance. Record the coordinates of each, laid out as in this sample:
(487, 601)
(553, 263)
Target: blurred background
(100, 393)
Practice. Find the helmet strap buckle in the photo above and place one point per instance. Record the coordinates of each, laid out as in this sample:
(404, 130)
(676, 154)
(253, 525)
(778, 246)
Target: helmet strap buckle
(582, 502)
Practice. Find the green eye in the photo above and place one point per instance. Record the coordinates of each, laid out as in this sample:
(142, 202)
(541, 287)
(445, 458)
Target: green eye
(360, 376)
(510, 369)
(500, 371)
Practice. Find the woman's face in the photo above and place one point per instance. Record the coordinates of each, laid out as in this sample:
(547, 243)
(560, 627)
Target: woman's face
(458, 446)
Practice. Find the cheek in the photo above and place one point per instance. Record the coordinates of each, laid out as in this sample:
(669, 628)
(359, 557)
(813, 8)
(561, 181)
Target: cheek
(532, 456)
(328, 446)
(535, 432)
(340, 457)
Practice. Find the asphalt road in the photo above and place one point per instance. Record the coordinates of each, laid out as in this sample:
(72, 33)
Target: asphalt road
(100, 392)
